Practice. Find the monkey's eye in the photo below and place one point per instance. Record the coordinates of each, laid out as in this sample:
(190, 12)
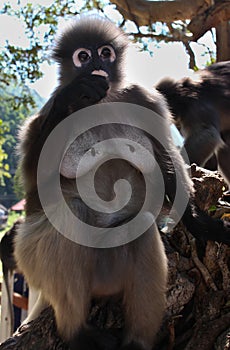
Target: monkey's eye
(107, 52)
(81, 56)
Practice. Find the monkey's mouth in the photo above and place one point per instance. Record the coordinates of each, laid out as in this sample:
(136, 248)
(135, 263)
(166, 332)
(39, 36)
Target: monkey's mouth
(100, 72)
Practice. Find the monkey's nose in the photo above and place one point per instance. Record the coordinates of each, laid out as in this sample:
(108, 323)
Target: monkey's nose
(97, 64)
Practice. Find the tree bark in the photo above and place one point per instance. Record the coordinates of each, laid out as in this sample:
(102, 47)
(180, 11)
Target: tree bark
(144, 13)
(198, 311)
(214, 16)
(204, 14)
(223, 41)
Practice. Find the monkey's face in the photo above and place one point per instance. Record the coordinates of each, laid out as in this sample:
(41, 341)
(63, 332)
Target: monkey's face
(98, 60)
(90, 45)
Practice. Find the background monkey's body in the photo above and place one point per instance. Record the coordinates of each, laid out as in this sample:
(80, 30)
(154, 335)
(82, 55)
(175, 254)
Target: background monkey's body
(201, 111)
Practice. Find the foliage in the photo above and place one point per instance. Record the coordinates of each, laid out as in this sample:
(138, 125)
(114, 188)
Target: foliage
(4, 166)
(12, 217)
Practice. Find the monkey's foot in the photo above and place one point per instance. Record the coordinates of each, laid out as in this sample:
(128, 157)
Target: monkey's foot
(95, 339)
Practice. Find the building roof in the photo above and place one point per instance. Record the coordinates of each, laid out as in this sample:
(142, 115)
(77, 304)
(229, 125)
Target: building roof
(19, 206)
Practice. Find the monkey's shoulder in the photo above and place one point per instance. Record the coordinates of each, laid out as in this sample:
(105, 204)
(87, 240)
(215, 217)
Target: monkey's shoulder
(141, 96)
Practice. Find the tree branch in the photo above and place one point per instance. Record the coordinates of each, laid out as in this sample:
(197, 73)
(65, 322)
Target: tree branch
(192, 60)
(146, 12)
(202, 13)
(161, 37)
(199, 25)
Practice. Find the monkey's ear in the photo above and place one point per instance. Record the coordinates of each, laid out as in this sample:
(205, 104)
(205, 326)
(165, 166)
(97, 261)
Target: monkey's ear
(167, 84)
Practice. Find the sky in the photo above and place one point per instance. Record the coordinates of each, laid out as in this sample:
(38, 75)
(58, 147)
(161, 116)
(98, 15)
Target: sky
(167, 59)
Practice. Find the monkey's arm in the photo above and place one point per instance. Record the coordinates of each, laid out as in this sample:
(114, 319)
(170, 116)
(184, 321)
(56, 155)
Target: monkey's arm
(204, 227)
(200, 125)
(82, 92)
(201, 144)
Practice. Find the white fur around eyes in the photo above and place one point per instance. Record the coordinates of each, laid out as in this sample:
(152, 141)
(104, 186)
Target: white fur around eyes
(75, 56)
(113, 55)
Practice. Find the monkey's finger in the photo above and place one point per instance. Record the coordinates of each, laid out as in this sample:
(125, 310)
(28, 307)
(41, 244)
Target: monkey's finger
(97, 81)
(101, 90)
(92, 93)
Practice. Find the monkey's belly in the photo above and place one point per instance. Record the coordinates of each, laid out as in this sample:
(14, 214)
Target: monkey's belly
(106, 288)
(108, 277)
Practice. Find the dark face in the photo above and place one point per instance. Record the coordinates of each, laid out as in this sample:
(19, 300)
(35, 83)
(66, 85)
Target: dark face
(97, 60)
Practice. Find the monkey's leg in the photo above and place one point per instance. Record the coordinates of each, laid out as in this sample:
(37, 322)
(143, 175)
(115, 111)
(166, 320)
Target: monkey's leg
(38, 307)
(71, 306)
(211, 164)
(201, 145)
(144, 296)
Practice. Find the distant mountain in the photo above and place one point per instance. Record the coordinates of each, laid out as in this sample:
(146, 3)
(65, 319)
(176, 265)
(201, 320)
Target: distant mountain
(18, 91)
(39, 100)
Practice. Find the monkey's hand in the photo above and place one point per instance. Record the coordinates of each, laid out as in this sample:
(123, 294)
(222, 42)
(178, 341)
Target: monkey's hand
(83, 92)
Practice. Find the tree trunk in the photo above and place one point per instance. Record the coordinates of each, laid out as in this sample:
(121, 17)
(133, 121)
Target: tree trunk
(223, 41)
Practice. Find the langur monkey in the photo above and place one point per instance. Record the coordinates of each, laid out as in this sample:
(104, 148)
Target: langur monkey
(201, 111)
(90, 56)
